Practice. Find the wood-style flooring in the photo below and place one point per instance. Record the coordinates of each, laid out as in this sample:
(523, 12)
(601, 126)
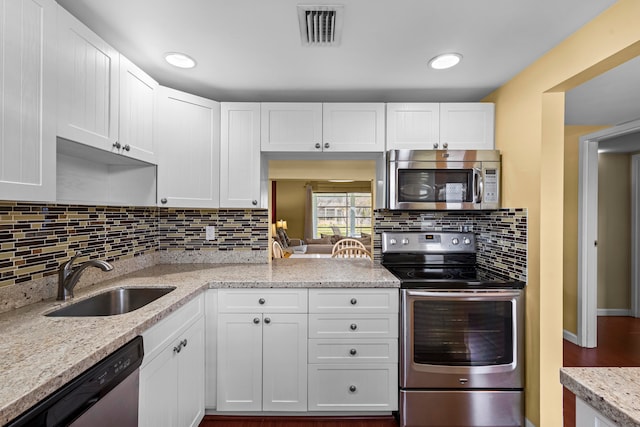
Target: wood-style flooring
(618, 345)
(233, 421)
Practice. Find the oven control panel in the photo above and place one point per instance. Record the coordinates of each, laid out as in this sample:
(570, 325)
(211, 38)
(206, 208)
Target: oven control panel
(428, 242)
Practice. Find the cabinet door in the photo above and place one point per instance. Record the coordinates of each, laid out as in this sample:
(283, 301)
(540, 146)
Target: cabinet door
(353, 127)
(137, 112)
(467, 126)
(284, 352)
(27, 100)
(240, 155)
(239, 362)
(587, 416)
(188, 150)
(88, 85)
(413, 126)
(191, 375)
(288, 126)
(158, 405)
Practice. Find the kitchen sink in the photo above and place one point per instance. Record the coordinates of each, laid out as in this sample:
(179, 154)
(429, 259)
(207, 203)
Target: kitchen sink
(112, 302)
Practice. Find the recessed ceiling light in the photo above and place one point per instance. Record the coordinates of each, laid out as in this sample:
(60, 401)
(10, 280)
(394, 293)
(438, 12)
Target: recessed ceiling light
(444, 61)
(180, 60)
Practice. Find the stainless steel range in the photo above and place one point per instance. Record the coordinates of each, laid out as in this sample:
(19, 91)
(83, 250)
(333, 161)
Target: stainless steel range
(461, 338)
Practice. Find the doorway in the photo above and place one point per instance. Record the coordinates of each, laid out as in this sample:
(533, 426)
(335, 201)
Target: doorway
(623, 138)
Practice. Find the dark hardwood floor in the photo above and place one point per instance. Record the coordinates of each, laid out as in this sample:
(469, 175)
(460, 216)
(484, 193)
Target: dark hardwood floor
(233, 421)
(618, 345)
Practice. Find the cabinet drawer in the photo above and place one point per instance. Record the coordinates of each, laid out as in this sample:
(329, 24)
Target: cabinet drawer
(353, 300)
(164, 332)
(347, 387)
(353, 351)
(262, 300)
(353, 326)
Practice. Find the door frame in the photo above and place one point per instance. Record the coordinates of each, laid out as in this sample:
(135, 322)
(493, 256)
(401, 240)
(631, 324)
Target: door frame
(588, 233)
(635, 235)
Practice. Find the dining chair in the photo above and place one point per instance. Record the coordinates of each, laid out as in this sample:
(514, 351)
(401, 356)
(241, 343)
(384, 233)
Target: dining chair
(277, 250)
(352, 252)
(347, 243)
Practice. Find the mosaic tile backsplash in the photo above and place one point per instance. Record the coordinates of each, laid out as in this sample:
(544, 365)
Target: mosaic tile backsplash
(501, 235)
(36, 238)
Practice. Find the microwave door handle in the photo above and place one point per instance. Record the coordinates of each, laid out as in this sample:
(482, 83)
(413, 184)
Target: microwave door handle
(478, 185)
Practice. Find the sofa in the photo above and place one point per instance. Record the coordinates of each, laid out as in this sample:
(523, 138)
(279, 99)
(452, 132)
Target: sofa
(323, 245)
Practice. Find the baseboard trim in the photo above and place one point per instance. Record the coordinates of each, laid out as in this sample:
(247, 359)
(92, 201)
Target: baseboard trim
(614, 312)
(570, 336)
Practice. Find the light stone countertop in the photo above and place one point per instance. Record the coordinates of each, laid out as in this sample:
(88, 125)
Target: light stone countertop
(614, 392)
(39, 354)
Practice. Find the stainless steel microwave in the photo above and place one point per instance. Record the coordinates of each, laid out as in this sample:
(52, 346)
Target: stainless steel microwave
(443, 179)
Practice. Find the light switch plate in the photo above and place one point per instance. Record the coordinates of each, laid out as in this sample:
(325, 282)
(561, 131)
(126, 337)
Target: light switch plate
(210, 232)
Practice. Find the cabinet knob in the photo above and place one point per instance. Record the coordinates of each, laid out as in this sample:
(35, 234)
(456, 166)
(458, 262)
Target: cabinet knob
(326, 145)
(256, 320)
(254, 202)
(177, 349)
(445, 145)
(261, 301)
(183, 342)
(318, 145)
(352, 388)
(435, 145)
(126, 147)
(353, 326)
(353, 352)
(354, 301)
(163, 200)
(267, 320)
(116, 145)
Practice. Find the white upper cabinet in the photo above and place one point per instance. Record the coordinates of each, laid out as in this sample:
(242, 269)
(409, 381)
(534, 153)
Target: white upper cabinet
(137, 112)
(467, 126)
(104, 100)
(188, 150)
(288, 126)
(453, 126)
(413, 126)
(353, 127)
(316, 127)
(27, 100)
(240, 155)
(88, 85)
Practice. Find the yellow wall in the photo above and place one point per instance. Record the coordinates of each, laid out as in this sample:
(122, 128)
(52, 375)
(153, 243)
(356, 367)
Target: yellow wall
(530, 135)
(290, 201)
(570, 237)
(614, 231)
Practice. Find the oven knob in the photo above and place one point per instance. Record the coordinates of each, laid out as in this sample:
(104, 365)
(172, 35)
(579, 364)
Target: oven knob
(455, 241)
(392, 241)
(405, 241)
(467, 241)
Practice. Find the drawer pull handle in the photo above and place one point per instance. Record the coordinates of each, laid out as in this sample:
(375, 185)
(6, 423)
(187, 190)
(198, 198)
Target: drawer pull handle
(352, 388)
(256, 320)
(261, 301)
(354, 301)
(353, 352)
(353, 326)
(267, 320)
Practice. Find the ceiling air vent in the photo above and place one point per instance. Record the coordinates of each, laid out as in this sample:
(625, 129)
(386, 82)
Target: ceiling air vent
(320, 25)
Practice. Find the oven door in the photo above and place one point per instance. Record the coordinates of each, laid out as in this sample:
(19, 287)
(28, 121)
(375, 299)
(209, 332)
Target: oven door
(462, 339)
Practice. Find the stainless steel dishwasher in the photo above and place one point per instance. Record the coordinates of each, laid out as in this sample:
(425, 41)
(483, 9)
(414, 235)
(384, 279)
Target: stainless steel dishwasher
(104, 395)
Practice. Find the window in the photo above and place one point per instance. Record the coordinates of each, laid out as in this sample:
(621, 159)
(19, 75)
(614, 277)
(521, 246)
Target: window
(346, 214)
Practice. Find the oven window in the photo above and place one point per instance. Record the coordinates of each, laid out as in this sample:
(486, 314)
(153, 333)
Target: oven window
(462, 333)
(435, 185)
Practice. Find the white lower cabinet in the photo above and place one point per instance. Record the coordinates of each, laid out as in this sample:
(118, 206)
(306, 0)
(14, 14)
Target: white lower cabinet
(172, 374)
(587, 416)
(262, 355)
(353, 349)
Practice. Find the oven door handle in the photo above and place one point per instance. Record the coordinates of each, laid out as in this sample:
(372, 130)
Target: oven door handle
(475, 294)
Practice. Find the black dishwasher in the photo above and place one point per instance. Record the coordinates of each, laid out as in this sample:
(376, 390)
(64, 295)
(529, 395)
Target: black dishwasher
(104, 395)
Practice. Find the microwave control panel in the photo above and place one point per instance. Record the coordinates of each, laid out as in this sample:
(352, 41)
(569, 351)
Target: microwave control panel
(491, 186)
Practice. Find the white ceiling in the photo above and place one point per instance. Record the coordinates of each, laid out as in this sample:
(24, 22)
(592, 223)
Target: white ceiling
(250, 50)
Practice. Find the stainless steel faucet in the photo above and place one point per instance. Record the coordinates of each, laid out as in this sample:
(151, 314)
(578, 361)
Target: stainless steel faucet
(69, 274)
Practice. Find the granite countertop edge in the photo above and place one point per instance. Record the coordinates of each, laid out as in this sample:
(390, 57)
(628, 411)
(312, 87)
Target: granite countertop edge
(34, 362)
(612, 391)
